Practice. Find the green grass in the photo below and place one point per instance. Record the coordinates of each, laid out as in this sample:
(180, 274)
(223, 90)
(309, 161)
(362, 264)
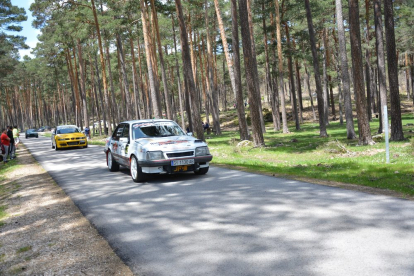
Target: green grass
(6, 189)
(3, 215)
(302, 154)
(24, 249)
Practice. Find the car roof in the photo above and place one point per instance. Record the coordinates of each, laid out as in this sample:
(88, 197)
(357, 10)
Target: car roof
(146, 121)
(67, 126)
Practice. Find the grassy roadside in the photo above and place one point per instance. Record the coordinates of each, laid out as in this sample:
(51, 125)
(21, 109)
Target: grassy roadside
(303, 154)
(6, 189)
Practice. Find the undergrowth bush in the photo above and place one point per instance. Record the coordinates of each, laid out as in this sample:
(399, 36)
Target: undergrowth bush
(334, 147)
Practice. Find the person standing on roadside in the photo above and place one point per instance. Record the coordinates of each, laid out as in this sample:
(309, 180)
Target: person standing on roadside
(87, 133)
(12, 149)
(16, 138)
(5, 140)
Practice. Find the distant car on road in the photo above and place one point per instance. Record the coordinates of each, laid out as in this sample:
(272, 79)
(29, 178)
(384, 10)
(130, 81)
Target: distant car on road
(41, 129)
(31, 133)
(155, 147)
(68, 136)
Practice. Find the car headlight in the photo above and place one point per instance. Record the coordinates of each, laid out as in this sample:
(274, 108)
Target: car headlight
(202, 151)
(61, 139)
(155, 155)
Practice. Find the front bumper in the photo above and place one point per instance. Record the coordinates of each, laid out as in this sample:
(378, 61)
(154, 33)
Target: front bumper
(71, 144)
(164, 166)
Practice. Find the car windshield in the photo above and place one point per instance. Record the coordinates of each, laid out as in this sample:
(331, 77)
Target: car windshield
(160, 129)
(31, 130)
(67, 130)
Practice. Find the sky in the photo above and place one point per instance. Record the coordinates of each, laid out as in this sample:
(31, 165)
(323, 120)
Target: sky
(28, 31)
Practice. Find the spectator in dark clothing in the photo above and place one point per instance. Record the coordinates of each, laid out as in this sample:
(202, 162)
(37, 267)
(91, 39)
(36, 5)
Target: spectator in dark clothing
(87, 133)
(12, 148)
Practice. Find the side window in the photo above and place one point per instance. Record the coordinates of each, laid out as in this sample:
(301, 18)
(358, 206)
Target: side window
(118, 132)
(126, 131)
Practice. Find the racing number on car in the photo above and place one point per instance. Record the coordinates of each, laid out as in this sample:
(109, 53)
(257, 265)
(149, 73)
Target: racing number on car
(180, 168)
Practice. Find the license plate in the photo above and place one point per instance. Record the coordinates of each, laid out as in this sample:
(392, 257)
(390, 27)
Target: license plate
(180, 168)
(182, 162)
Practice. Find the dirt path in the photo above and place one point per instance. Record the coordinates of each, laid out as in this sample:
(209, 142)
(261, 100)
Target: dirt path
(46, 234)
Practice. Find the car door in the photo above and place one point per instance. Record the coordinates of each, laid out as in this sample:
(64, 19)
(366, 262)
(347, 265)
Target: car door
(123, 144)
(115, 142)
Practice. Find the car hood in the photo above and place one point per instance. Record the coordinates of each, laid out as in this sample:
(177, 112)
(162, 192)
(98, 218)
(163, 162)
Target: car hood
(70, 135)
(170, 143)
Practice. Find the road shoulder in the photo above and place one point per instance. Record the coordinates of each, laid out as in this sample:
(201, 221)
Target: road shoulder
(45, 233)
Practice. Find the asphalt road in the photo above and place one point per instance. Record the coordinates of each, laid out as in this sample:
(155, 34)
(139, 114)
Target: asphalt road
(234, 223)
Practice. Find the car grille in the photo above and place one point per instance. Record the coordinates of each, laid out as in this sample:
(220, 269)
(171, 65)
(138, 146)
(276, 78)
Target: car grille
(73, 143)
(180, 154)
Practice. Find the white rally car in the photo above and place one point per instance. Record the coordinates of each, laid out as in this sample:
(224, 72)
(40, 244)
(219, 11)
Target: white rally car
(154, 147)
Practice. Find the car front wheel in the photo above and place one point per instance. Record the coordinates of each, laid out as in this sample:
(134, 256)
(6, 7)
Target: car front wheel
(201, 171)
(113, 166)
(136, 171)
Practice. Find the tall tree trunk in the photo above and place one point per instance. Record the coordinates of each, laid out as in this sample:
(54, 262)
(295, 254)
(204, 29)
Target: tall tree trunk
(124, 75)
(350, 131)
(224, 41)
(114, 107)
(279, 53)
(83, 86)
(412, 77)
(189, 73)
(307, 81)
(101, 55)
(163, 75)
(137, 104)
(379, 45)
(101, 99)
(407, 75)
(396, 122)
(325, 76)
(156, 104)
(212, 87)
(75, 87)
(180, 98)
(249, 63)
(238, 93)
(255, 71)
(291, 78)
(145, 96)
(275, 92)
(368, 63)
(322, 123)
(357, 66)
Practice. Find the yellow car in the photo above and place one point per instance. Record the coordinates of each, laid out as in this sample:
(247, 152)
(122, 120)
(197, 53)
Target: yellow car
(68, 136)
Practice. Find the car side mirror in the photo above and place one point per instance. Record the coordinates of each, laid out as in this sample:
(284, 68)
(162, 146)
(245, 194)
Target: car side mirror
(189, 134)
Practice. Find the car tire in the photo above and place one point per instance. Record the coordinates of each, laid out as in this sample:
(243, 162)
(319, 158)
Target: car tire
(136, 171)
(26, 136)
(201, 171)
(85, 146)
(56, 147)
(37, 136)
(113, 166)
